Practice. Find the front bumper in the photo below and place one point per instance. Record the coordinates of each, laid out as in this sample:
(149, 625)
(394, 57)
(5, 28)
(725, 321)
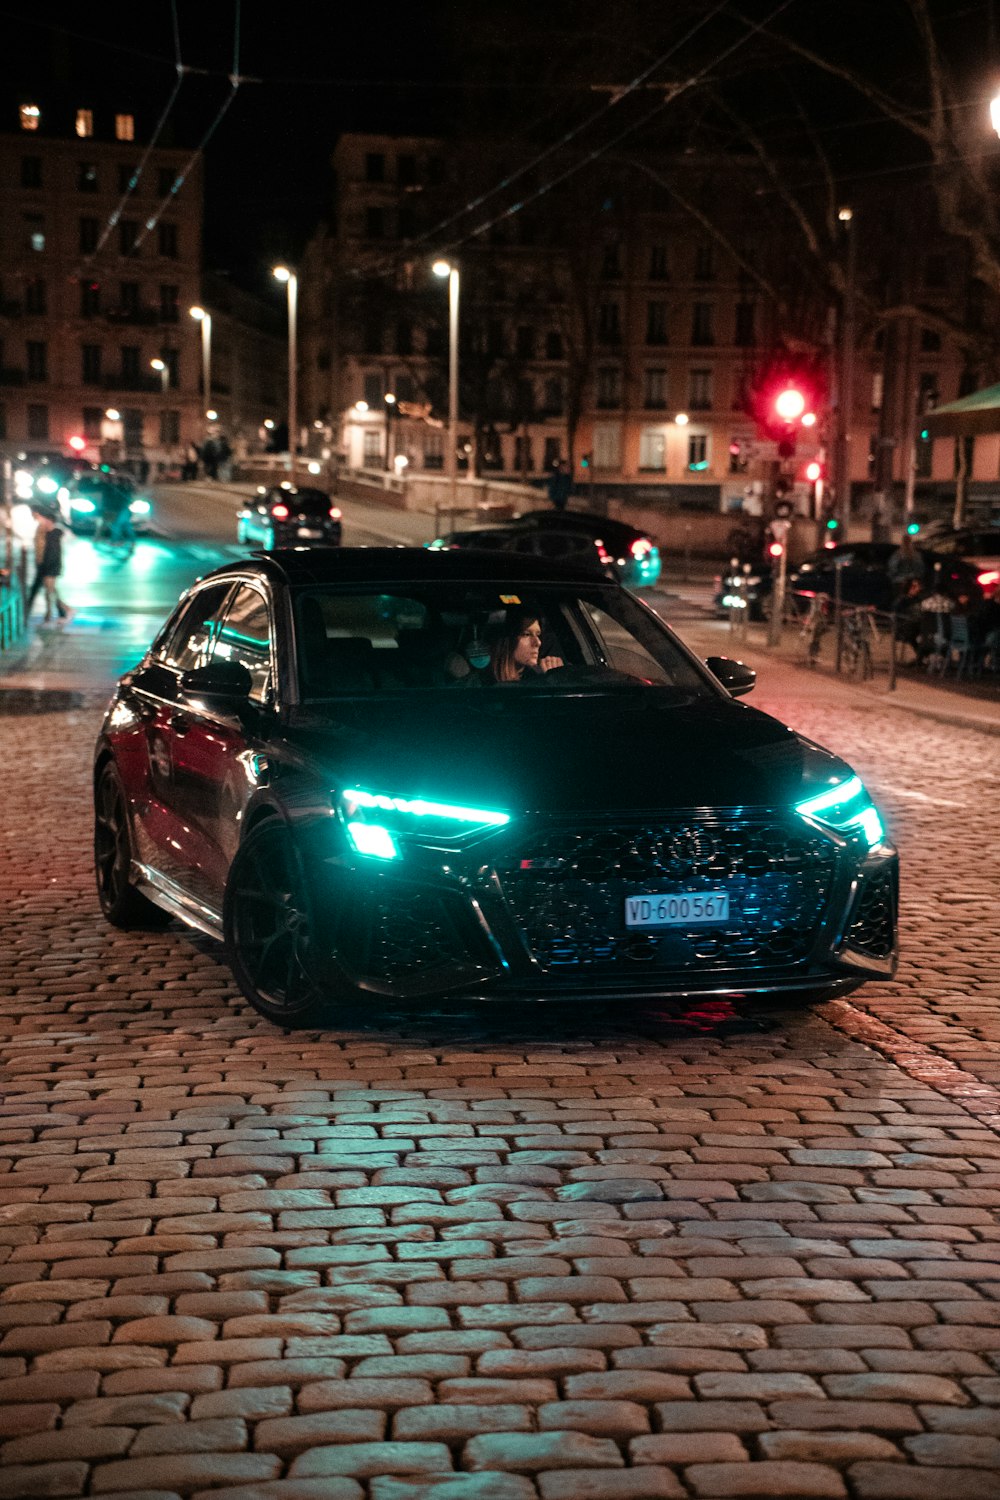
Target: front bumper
(537, 911)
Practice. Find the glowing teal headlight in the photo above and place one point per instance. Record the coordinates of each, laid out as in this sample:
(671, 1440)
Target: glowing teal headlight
(846, 807)
(373, 839)
(375, 820)
(83, 506)
(140, 507)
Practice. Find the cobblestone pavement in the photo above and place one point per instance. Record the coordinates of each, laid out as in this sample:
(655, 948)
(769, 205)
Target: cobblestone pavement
(500, 1255)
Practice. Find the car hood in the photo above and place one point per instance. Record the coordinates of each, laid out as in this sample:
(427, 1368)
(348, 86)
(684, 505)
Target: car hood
(618, 752)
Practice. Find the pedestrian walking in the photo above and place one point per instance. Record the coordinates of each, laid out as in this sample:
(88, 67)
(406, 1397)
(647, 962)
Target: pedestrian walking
(560, 485)
(48, 566)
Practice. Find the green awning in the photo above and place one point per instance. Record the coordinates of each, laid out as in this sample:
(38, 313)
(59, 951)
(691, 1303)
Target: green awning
(970, 416)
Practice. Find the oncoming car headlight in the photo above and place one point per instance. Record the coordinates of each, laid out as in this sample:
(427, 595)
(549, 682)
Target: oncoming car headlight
(140, 507)
(847, 808)
(376, 820)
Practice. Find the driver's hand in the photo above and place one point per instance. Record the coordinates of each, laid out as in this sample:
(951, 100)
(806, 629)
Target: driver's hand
(549, 663)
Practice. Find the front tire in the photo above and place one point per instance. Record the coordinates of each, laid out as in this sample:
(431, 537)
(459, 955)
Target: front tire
(121, 902)
(269, 923)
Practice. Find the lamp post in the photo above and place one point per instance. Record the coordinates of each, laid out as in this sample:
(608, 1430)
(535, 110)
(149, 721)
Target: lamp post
(205, 319)
(444, 268)
(282, 273)
(164, 373)
(390, 412)
(845, 383)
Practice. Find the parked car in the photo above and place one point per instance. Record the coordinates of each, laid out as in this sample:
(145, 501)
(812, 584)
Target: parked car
(295, 767)
(289, 516)
(864, 576)
(83, 499)
(980, 549)
(576, 537)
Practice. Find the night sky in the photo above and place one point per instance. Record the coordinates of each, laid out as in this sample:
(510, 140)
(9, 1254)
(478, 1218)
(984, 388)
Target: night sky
(442, 65)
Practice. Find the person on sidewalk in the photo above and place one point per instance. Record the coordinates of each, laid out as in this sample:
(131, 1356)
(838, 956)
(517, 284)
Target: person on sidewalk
(48, 566)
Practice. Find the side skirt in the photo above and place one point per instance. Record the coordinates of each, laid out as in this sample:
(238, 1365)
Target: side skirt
(178, 902)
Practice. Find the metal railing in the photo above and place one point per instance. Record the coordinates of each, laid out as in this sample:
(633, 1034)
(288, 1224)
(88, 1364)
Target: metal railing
(13, 591)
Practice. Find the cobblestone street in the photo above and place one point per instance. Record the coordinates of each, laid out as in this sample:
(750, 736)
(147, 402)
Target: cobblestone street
(474, 1254)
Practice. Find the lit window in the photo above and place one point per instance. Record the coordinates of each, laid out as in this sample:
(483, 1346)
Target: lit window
(84, 122)
(29, 115)
(698, 450)
(124, 127)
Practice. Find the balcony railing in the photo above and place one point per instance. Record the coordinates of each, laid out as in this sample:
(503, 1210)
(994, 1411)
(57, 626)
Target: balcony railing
(144, 316)
(122, 382)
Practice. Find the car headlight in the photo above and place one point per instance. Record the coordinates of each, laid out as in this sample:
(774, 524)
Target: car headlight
(847, 808)
(46, 485)
(83, 506)
(140, 507)
(23, 485)
(375, 821)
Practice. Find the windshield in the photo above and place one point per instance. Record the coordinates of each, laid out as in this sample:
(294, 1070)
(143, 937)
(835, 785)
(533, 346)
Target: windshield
(305, 502)
(429, 637)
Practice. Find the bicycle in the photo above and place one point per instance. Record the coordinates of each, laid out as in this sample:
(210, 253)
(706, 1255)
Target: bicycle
(814, 625)
(858, 641)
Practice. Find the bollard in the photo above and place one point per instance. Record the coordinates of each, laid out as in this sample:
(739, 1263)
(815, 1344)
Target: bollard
(892, 652)
(838, 624)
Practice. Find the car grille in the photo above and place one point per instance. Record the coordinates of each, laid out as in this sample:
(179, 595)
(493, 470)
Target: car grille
(872, 930)
(567, 889)
(411, 935)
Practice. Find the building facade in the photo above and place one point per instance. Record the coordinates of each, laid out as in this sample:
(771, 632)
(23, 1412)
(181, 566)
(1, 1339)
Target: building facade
(621, 328)
(97, 273)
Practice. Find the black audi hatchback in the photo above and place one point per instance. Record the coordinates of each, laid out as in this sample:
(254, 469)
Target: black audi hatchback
(316, 761)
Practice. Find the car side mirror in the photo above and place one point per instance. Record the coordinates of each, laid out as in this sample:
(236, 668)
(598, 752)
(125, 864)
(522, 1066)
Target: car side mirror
(736, 677)
(228, 681)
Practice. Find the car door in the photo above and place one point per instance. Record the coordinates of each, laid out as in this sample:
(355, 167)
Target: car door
(148, 748)
(218, 747)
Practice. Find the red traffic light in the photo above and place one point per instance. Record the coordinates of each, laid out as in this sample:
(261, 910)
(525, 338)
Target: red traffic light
(814, 471)
(775, 549)
(77, 443)
(789, 404)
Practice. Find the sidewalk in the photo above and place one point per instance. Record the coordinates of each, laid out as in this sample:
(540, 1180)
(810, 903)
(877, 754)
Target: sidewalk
(711, 636)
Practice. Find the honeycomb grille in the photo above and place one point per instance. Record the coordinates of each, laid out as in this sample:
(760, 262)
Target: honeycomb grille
(873, 928)
(409, 935)
(567, 889)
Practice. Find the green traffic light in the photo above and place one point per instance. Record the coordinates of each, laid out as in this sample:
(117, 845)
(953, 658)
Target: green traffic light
(925, 435)
(912, 529)
(832, 524)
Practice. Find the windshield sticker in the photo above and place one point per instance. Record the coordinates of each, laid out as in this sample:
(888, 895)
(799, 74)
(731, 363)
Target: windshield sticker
(509, 599)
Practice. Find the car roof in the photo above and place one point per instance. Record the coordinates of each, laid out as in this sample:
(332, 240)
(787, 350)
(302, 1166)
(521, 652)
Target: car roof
(580, 520)
(304, 566)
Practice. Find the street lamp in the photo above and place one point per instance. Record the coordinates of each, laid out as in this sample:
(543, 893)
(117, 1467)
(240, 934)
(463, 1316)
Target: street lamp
(845, 382)
(390, 412)
(444, 268)
(158, 364)
(282, 273)
(205, 319)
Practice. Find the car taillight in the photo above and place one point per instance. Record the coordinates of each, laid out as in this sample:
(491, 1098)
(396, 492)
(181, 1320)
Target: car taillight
(334, 513)
(989, 580)
(602, 551)
(640, 547)
(279, 512)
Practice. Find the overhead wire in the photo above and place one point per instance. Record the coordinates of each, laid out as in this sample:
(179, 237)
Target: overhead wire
(234, 83)
(571, 134)
(673, 92)
(134, 180)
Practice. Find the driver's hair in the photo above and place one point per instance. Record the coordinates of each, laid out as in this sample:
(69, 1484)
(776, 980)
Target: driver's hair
(502, 663)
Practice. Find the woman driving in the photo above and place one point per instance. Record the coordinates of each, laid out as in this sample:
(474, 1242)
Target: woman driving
(517, 650)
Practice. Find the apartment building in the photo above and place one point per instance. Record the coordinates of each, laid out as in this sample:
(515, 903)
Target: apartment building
(615, 327)
(97, 273)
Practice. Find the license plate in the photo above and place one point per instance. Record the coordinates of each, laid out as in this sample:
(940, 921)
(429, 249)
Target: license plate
(684, 909)
(309, 532)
